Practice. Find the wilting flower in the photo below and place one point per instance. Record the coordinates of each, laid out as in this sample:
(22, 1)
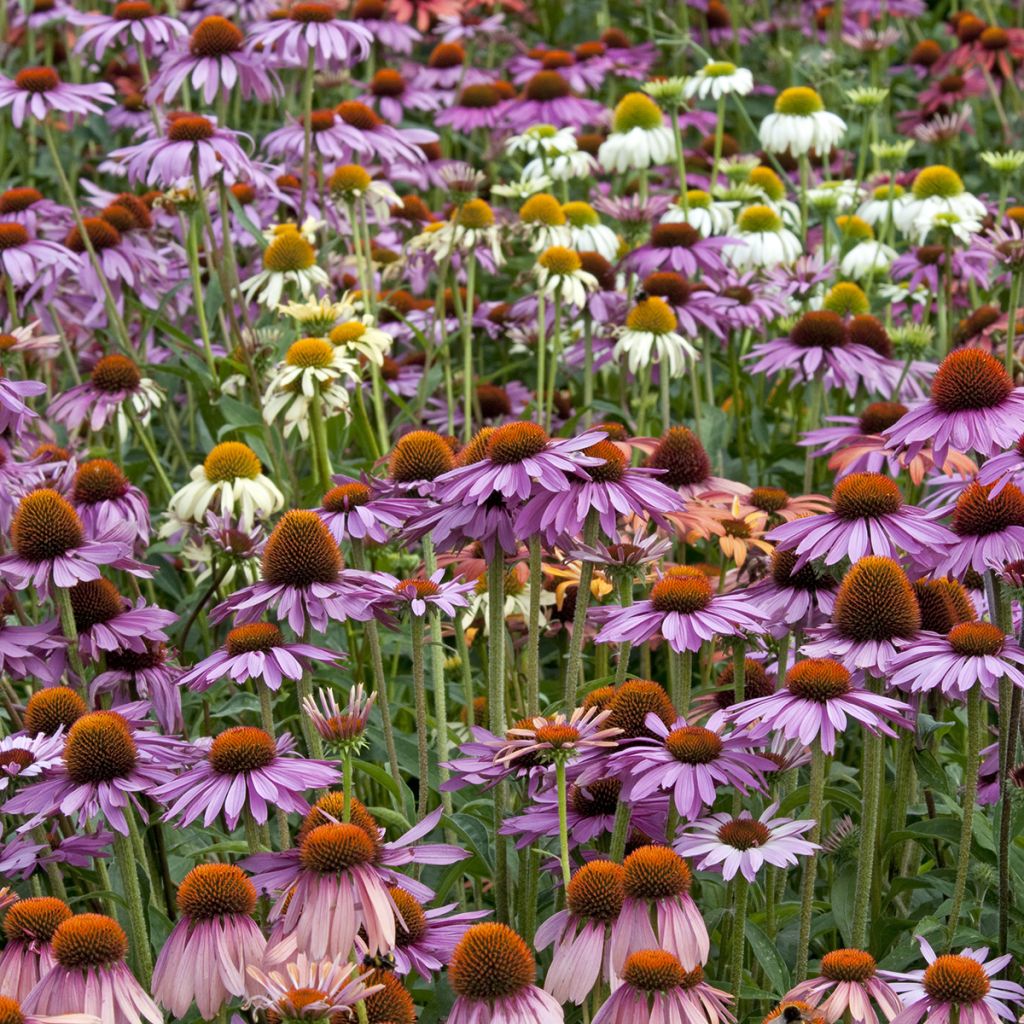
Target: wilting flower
(815, 704)
(206, 955)
(89, 969)
(308, 990)
(245, 771)
(492, 973)
(656, 986)
(745, 844)
(956, 982)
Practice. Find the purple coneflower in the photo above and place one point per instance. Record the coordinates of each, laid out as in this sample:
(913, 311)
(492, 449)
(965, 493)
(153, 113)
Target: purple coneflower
(28, 954)
(257, 651)
(350, 510)
(115, 380)
(104, 498)
(107, 621)
(342, 725)
(583, 733)
(973, 407)
(387, 593)
(657, 886)
(38, 90)
(988, 524)
(961, 982)
(580, 934)
(379, 21)
(683, 609)
(311, 28)
(656, 987)
(789, 599)
(851, 980)
(686, 463)
(680, 247)
(22, 258)
(13, 410)
(970, 654)
(30, 651)
(51, 547)
(493, 973)
(193, 147)
(875, 615)
(309, 990)
(214, 62)
(205, 957)
(868, 517)
(612, 489)
(89, 971)
(818, 698)
(246, 771)
(393, 95)
(1007, 468)
(23, 756)
(365, 136)
(107, 763)
(690, 762)
(301, 578)
(547, 98)
(132, 22)
(745, 844)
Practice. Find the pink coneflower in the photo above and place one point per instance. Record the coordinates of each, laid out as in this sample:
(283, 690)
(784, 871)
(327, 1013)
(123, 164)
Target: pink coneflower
(205, 957)
(426, 938)
(850, 979)
(246, 771)
(365, 136)
(309, 990)
(389, 593)
(25, 756)
(194, 145)
(13, 411)
(818, 699)
(656, 987)
(689, 762)
(51, 547)
(580, 934)
(106, 621)
(309, 26)
(477, 106)
(683, 609)
(962, 981)
(257, 651)
(519, 458)
(657, 886)
(149, 674)
(743, 845)
(973, 407)
(29, 651)
(22, 258)
(325, 138)
(868, 517)
(114, 381)
(392, 94)
(89, 951)
(374, 16)
(547, 98)
(611, 489)
(1007, 468)
(479, 766)
(493, 973)
(344, 725)
(104, 498)
(351, 510)
(925, 267)
(971, 654)
(214, 62)
(686, 464)
(679, 247)
(989, 530)
(132, 22)
(107, 763)
(301, 578)
(28, 955)
(875, 615)
(36, 91)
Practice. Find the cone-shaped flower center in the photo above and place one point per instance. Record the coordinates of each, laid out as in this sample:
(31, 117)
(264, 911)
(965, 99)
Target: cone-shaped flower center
(12, 236)
(546, 85)
(636, 110)
(614, 466)
(308, 11)
(475, 215)
(956, 979)
(799, 101)
(655, 873)
(329, 849)
(415, 920)
(768, 499)
(652, 316)
(310, 353)
(693, 744)
(818, 679)
(491, 962)
(101, 234)
(216, 890)
(846, 299)
(680, 592)
(944, 604)
(976, 639)
(744, 833)
(848, 965)
(516, 442)
(387, 82)
(35, 919)
(349, 178)
(682, 456)
(287, 253)
(937, 181)
(560, 261)
(880, 416)
(633, 702)
(866, 496)
(596, 891)
(300, 552)
(876, 602)
(653, 970)
(14, 200)
(216, 37)
(45, 526)
(93, 602)
(133, 10)
(978, 514)
(596, 799)
(37, 79)
(345, 497)
(819, 329)
(240, 749)
(230, 461)
(115, 373)
(190, 128)
(420, 455)
(969, 378)
(89, 940)
(99, 748)
(57, 707)
(481, 96)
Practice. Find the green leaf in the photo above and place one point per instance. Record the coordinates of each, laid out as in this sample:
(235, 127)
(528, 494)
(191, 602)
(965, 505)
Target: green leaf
(768, 957)
(842, 900)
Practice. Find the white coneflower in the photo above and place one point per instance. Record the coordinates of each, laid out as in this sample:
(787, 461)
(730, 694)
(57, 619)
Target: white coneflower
(702, 212)
(472, 226)
(544, 222)
(312, 367)
(766, 241)
(832, 197)
(559, 271)
(231, 481)
(650, 336)
(773, 193)
(289, 259)
(875, 209)
(866, 255)
(351, 182)
(639, 138)
(587, 233)
(315, 317)
(718, 78)
(542, 140)
(522, 189)
(938, 190)
(361, 336)
(800, 123)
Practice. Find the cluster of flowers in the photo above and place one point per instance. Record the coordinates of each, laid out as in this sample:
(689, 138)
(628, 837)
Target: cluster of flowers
(504, 527)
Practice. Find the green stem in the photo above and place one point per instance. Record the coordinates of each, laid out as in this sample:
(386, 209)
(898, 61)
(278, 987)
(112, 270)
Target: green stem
(579, 622)
(975, 725)
(620, 832)
(62, 598)
(318, 435)
(497, 720)
(534, 627)
(307, 125)
(563, 824)
(814, 809)
(420, 696)
(437, 674)
(870, 803)
(124, 852)
(738, 938)
(1011, 324)
(468, 387)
